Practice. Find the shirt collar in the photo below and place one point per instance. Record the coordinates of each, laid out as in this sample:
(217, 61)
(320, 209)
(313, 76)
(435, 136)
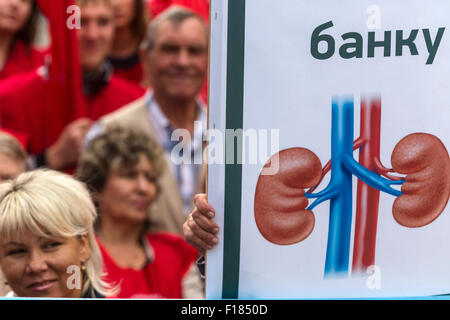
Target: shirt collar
(162, 122)
(156, 113)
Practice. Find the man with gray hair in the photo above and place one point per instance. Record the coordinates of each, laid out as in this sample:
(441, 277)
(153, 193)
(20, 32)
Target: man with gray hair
(175, 62)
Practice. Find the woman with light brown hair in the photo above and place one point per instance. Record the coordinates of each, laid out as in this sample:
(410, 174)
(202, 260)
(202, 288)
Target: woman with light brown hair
(121, 168)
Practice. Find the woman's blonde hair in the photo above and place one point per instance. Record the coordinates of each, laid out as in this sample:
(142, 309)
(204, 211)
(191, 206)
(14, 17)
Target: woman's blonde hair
(10, 146)
(49, 202)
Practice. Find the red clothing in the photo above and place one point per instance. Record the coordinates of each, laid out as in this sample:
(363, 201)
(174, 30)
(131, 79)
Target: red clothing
(133, 74)
(160, 278)
(24, 107)
(203, 95)
(40, 107)
(129, 68)
(64, 101)
(201, 7)
(22, 59)
(116, 94)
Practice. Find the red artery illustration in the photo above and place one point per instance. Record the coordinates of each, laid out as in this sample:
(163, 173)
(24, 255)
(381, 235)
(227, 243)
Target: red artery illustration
(367, 197)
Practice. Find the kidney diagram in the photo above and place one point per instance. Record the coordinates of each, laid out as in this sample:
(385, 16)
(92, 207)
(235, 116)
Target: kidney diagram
(420, 165)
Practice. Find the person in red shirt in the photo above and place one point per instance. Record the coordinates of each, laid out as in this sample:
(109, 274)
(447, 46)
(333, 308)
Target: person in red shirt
(120, 167)
(131, 18)
(32, 103)
(18, 19)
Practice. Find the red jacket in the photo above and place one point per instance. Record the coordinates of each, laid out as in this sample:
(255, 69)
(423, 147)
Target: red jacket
(129, 68)
(22, 59)
(24, 106)
(41, 107)
(133, 74)
(162, 277)
(117, 93)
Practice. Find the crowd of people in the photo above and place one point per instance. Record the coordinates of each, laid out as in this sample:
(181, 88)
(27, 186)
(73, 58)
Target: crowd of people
(91, 204)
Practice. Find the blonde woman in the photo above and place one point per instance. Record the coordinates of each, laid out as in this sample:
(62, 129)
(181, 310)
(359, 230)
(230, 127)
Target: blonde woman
(47, 241)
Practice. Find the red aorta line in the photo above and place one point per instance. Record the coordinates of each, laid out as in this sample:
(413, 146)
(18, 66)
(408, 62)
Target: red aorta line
(367, 201)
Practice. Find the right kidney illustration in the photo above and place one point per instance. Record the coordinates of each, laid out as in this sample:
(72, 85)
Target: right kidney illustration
(425, 161)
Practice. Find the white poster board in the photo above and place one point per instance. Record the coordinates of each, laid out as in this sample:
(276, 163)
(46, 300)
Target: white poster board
(278, 69)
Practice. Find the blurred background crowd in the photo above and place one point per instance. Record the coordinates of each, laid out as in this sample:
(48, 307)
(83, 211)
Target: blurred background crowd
(91, 92)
